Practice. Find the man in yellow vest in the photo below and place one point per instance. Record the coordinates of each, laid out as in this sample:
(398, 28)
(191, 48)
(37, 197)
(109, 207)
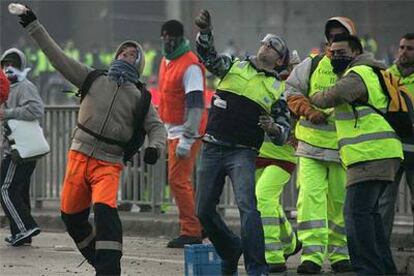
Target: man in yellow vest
(182, 110)
(404, 69)
(321, 178)
(248, 102)
(369, 149)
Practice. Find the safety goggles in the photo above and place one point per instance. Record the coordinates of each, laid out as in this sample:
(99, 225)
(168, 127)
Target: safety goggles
(276, 43)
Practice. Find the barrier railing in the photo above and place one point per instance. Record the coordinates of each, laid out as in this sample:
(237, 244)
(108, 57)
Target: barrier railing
(140, 183)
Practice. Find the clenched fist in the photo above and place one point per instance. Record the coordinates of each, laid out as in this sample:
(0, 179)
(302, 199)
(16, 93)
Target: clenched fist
(203, 21)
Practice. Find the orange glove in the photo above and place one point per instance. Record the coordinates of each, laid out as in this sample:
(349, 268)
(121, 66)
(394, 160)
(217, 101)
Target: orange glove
(316, 117)
(299, 105)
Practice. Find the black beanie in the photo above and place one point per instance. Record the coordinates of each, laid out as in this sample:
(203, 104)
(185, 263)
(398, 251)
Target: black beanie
(173, 28)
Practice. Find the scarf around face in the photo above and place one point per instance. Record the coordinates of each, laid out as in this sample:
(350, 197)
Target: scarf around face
(121, 72)
(181, 49)
(15, 75)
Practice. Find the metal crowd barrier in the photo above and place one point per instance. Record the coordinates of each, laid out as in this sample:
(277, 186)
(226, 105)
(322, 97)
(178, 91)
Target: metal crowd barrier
(140, 184)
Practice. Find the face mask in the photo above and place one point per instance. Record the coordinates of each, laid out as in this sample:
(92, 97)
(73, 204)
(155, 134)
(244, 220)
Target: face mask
(171, 44)
(11, 73)
(340, 63)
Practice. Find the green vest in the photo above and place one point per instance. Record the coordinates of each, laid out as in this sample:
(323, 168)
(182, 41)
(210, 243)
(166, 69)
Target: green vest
(244, 80)
(323, 136)
(369, 136)
(407, 81)
(285, 152)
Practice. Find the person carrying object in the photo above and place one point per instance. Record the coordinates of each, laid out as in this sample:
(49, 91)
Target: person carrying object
(108, 117)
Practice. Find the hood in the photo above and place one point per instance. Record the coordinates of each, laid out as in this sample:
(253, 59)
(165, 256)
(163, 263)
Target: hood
(367, 59)
(141, 58)
(343, 21)
(19, 53)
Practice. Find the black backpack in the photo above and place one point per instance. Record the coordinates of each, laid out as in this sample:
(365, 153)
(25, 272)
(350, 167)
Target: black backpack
(138, 137)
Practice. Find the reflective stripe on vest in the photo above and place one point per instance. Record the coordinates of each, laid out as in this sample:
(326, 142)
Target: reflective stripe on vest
(360, 113)
(310, 249)
(323, 136)
(368, 137)
(244, 80)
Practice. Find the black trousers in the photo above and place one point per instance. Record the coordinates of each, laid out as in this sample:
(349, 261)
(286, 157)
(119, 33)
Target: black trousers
(15, 194)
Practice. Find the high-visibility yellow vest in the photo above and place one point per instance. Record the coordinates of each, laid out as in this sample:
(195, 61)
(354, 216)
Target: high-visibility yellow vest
(322, 135)
(407, 81)
(285, 152)
(369, 136)
(244, 80)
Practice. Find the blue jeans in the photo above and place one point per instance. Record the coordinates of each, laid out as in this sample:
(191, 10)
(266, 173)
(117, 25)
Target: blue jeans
(368, 246)
(389, 198)
(239, 164)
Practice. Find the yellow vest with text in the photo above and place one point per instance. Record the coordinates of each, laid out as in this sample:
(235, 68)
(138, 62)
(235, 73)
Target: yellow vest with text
(244, 80)
(363, 134)
(322, 135)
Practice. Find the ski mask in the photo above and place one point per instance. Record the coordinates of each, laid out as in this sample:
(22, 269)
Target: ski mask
(340, 63)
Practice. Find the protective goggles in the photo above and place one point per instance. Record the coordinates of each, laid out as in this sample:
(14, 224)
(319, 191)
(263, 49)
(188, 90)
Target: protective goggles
(276, 43)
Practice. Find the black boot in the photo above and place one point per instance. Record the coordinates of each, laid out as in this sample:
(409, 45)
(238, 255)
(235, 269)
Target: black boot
(308, 267)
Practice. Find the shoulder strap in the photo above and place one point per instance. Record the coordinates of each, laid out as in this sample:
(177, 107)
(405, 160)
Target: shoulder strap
(86, 85)
(315, 63)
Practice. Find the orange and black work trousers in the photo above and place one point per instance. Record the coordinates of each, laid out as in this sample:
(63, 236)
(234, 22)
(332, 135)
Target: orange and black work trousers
(180, 181)
(91, 181)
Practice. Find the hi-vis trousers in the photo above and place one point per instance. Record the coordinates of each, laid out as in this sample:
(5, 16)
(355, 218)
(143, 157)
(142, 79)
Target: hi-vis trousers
(321, 226)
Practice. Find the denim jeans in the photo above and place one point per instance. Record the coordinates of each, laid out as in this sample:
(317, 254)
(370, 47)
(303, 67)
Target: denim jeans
(216, 162)
(389, 198)
(368, 247)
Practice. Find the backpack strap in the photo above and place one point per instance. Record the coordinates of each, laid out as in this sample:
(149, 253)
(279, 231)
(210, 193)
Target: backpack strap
(138, 137)
(315, 63)
(87, 83)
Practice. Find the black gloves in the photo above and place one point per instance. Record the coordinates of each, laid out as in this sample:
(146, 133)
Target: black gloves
(203, 21)
(151, 155)
(27, 17)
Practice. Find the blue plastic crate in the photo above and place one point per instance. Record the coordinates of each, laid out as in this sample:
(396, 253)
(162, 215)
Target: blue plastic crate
(201, 260)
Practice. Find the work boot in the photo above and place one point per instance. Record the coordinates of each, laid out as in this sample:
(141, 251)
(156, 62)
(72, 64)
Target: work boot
(183, 240)
(342, 266)
(229, 267)
(277, 268)
(308, 267)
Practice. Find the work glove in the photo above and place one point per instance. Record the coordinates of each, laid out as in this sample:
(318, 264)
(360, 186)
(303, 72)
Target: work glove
(267, 123)
(203, 21)
(27, 17)
(151, 155)
(183, 148)
(316, 117)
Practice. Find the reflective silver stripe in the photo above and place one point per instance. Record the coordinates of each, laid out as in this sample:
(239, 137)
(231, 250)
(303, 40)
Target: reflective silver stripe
(242, 64)
(343, 250)
(276, 84)
(110, 245)
(309, 249)
(273, 246)
(341, 116)
(306, 225)
(287, 239)
(408, 147)
(367, 137)
(273, 221)
(336, 228)
(319, 127)
(86, 241)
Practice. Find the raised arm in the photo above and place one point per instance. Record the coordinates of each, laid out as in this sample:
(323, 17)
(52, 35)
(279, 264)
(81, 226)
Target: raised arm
(217, 64)
(71, 69)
